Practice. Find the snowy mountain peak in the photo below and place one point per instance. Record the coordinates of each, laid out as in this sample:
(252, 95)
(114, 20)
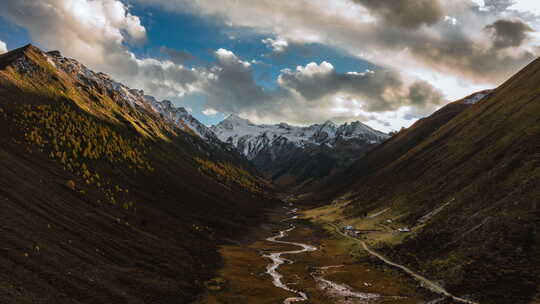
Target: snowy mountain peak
(329, 123)
(234, 118)
(250, 139)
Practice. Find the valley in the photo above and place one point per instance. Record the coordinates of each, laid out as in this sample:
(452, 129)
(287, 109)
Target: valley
(111, 195)
(307, 261)
(298, 156)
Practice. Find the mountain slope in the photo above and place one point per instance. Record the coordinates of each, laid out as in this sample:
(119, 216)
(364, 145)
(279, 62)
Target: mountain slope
(292, 155)
(105, 199)
(467, 182)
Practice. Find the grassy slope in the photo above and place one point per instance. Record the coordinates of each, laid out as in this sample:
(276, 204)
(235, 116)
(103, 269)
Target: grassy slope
(132, 230)
(485, 161)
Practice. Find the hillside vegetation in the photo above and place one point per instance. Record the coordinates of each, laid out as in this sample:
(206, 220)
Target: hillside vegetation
(104, 201)
(466, 180)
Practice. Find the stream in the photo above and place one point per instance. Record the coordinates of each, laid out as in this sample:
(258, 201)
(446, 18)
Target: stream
(277, 260)
(341, 292)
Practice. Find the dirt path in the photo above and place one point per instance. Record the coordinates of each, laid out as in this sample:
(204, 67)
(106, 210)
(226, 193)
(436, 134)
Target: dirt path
(426, 283)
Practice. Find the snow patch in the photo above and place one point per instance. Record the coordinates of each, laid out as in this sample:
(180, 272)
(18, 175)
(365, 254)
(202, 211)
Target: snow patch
(475, 98)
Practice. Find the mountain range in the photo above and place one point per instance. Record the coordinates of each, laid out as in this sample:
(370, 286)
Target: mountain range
(286, 154)
(112, 196)
(292, 155)
(107, 193)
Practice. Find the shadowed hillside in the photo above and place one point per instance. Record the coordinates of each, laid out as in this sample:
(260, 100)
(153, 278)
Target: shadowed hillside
(466, 181)
(103, 200)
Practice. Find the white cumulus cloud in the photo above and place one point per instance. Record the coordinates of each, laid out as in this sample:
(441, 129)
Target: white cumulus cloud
(96, 32)
(3, 47)
(278, 45)
(209, 112)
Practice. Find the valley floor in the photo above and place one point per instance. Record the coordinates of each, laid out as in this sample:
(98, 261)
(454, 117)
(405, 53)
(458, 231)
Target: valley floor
(339, 263)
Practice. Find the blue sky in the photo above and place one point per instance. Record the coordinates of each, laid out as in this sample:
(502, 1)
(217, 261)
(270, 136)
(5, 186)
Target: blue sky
(297, 61)
(202, 36)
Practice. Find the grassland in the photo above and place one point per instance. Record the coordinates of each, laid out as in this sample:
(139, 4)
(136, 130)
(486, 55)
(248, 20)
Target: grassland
(244, 266)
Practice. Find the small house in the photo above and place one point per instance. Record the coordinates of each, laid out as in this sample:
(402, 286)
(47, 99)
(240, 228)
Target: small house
(404, 229)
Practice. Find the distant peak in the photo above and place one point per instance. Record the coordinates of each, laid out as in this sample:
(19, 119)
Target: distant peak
(54, 53)
(329, 123)
(29, 48)
(29, 52)
(183, 110)
(234, 117)
(23, 50)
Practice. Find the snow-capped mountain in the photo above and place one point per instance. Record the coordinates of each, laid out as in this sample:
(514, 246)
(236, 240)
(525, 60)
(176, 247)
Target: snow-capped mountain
(177, 116)
(292, 154)
(282, 151)
(181, 117)
(250, 139)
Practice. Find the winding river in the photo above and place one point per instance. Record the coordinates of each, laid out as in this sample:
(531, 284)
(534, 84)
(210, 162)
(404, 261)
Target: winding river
(335, 290)
(277, 260)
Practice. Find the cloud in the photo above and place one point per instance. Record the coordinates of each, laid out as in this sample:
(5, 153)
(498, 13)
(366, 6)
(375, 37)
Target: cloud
(165, 79)
(526, 6)
(495, 5)
(97, 32)
(93, 30)
(278, 45)
(209, 112)
(178, 56)
(456, 54)
(508, 33)
(477, 48)
(3, 47)
(405, 13)
(313, 93)
(374, 91)
(406, 35)
(230, 86)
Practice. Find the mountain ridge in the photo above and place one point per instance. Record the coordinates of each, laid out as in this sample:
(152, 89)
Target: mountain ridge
(242, 132)
(294, 155)
(465, 181)
(104, 198)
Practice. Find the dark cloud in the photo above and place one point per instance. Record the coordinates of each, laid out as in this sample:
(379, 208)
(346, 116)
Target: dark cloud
(405, 13)
(377, 91)
(308, 94)
(452, 51)
(178, 56)
(231, 87)
(459, 55)
(508, 33)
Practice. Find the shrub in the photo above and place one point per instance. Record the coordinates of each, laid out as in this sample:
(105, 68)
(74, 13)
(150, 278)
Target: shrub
(71, 185)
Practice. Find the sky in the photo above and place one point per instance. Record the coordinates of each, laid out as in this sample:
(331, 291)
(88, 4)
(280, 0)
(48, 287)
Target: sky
(384, 63)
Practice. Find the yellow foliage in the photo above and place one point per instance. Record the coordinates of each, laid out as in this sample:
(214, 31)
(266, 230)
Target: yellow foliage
(77, 141)
(229, 174)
